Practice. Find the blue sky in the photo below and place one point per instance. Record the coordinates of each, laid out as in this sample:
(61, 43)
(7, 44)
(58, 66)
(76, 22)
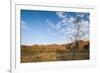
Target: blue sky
(45, 27)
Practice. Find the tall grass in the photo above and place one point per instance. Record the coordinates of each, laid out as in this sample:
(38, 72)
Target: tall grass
(45, 53)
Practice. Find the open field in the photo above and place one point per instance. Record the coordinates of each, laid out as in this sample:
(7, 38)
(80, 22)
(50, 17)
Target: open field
(53, 52)
(63, 35)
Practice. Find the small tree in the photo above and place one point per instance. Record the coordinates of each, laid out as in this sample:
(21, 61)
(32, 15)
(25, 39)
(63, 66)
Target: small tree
(74, 26)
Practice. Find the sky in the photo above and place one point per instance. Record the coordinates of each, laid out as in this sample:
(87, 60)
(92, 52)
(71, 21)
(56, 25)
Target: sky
(50, 27)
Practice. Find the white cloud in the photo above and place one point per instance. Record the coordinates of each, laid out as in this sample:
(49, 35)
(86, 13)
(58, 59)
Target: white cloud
(67, 26)
(60, 14)
(58, 25)
(84, 29)
(50, 24)
(72, 19)
(79, 14)
(61, 26)
(53, 33)
(24, 25)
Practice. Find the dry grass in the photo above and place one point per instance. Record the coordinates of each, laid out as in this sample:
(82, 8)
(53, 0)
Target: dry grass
(43, 53)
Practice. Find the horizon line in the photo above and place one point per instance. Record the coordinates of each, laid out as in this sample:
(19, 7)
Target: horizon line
(60, 43)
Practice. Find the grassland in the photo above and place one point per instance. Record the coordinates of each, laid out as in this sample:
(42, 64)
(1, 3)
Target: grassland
(53, 52)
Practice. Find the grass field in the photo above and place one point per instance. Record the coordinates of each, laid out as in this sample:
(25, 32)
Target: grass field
(53, 52)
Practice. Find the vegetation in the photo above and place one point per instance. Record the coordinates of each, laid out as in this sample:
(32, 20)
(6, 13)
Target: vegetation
(54, 52)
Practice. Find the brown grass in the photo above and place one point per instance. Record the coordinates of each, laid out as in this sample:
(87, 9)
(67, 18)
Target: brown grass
(54, 52)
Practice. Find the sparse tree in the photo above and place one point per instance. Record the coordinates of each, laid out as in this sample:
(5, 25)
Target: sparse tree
(72, 27)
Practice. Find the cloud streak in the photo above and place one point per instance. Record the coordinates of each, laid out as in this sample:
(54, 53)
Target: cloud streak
(67, 25)
(24, 25)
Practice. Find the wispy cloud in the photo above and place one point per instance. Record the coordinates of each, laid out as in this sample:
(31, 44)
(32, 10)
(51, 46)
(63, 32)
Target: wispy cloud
(50, 24)
(80, 14)
(60, 14)
(24, 25)
(68, 27)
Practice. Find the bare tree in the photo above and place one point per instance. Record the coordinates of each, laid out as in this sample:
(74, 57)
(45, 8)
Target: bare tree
(72, 27)
(82, 30)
